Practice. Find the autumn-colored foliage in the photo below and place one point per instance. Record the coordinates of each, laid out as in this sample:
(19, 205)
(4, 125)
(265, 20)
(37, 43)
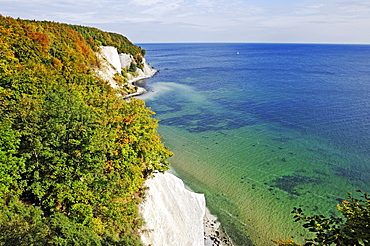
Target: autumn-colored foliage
(288, 242)
(352, 228)
(73, 154)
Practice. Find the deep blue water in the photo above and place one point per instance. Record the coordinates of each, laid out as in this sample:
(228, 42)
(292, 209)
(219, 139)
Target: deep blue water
(261, 128)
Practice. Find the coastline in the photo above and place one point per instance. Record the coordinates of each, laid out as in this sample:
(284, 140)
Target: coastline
(237, 160)
(113, 64)
(166, 190)
(173, 213)
(213, 234)
(147, 75)
(140, 90)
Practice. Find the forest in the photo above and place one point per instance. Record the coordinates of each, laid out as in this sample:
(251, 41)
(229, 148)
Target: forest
(73, 153)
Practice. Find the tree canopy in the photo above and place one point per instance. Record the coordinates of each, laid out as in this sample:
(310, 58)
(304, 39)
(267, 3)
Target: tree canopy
(352, 228)
(73, 154)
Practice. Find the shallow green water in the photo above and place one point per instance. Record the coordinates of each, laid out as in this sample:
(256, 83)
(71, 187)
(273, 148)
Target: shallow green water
(279, 132)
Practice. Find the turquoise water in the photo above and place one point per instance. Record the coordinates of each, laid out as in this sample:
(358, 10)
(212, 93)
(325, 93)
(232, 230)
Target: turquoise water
(263, 128)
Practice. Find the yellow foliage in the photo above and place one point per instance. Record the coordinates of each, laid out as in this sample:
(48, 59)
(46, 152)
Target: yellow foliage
(286, 242)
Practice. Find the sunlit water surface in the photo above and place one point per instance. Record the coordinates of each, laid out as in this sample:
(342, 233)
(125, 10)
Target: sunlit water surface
(263, 128)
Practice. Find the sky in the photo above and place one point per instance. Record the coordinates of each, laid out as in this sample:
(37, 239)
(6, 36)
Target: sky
(171, 21)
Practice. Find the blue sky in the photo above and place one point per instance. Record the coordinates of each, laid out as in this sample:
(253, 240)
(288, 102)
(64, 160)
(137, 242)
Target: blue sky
(149, 21)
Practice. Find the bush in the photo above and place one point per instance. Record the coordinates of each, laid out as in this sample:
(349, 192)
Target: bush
(353, 228)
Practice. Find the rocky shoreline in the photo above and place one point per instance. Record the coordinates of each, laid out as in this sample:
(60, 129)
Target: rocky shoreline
(173, 214)
(213, 232)
(113, 64)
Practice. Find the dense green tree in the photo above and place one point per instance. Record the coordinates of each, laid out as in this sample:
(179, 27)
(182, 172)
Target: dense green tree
(11, 166)
(73, 154)
(22, 225)
(353, 228)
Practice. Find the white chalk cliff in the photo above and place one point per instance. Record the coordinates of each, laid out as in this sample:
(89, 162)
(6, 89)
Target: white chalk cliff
(173, 215)
(110, 54)
(113, 63)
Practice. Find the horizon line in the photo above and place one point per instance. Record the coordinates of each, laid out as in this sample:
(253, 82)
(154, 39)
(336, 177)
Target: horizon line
(247, 42)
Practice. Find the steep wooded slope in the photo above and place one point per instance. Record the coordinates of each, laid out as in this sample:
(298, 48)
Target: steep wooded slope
(73, 155)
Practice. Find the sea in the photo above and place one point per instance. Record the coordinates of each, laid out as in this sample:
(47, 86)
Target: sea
(263, 128)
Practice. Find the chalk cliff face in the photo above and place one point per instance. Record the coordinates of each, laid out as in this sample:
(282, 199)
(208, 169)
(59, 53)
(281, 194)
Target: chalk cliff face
(173, 215)
(112, 63)
(110, 54)
(125, 60)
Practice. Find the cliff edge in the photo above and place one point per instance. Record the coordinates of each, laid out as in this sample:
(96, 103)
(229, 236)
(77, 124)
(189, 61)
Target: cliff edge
(174, 215)
(113, 64)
